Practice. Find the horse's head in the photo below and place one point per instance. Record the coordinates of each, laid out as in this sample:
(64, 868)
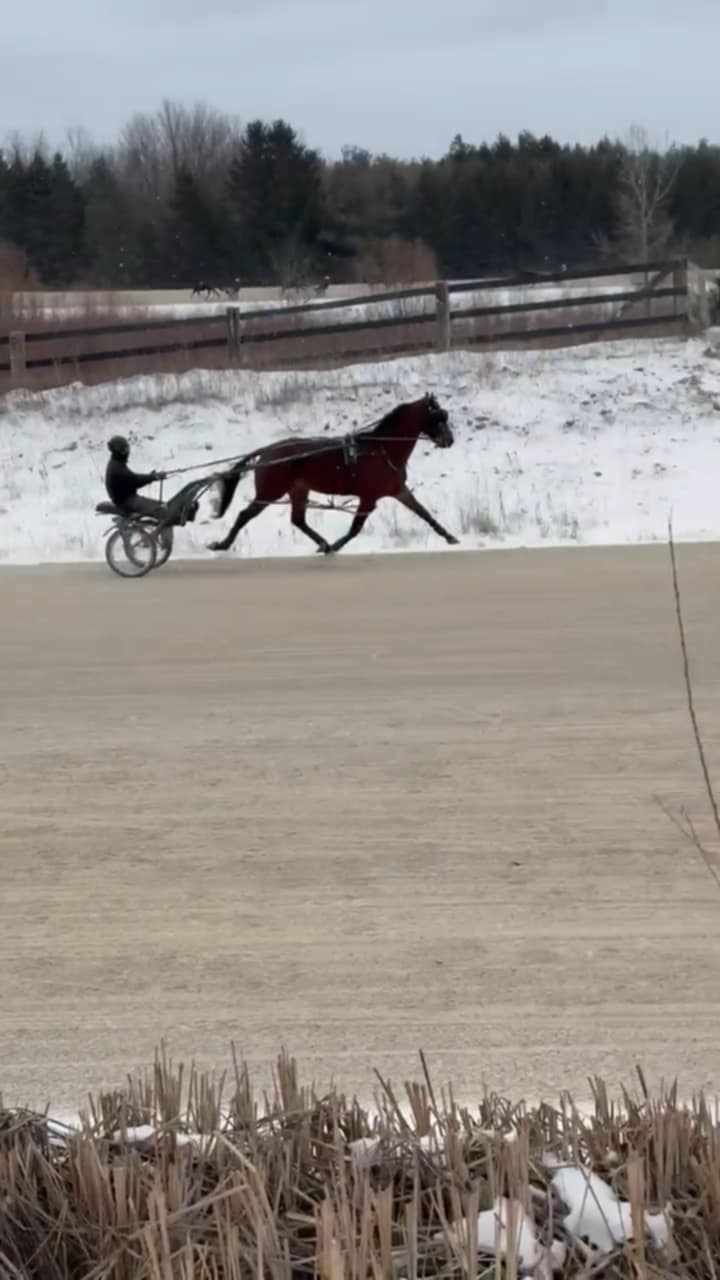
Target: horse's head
(436, 425)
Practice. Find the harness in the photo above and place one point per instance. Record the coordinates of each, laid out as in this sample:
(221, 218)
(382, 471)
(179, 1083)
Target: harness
(350, 448)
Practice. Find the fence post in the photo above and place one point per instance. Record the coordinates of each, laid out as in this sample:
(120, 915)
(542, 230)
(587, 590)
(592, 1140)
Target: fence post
(233, 332)
(698, 302)
(680, 281)
(17, 355)
(442, 316)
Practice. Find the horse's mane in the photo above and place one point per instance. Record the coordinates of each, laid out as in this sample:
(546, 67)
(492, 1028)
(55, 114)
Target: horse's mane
(390, 420)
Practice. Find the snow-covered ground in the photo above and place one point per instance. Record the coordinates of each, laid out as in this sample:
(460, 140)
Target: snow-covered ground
(595, 444)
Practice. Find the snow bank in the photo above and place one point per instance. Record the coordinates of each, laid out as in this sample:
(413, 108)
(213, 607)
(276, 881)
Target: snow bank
(590, 445)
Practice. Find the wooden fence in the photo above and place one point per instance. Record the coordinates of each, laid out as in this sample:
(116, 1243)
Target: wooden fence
(557, 309)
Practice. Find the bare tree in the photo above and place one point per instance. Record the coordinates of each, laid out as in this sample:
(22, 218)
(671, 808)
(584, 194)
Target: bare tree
(201, 140)
(394, 261)
(154, 148)
(17, 147)
(143, 161)
(292, 266)
(647, 178)
(81, 153)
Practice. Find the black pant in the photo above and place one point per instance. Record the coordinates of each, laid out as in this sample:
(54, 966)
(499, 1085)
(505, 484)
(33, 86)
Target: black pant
(145, 507)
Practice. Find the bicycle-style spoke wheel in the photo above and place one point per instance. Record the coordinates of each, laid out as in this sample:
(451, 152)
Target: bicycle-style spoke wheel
(163, 539)
(163, 546)
(131, 551)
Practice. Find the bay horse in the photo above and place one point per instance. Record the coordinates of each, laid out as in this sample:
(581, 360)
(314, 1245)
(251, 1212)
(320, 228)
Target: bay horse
(369, 465)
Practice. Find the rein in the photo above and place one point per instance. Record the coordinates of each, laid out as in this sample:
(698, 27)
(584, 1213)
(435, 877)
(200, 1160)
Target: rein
(216, 462)
(349, 445)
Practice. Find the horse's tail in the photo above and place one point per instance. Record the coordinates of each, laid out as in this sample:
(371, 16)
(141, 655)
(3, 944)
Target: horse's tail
(228, 481)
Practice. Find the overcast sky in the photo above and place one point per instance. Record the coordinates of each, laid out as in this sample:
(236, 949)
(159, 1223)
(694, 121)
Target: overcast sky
(402, 76)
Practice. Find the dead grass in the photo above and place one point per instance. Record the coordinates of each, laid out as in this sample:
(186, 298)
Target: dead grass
(30, 313)
(313, 1184)
(284, 393)
(393, 261)
(474, 517)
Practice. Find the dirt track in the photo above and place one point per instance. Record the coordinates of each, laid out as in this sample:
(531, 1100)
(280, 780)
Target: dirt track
(357, 807)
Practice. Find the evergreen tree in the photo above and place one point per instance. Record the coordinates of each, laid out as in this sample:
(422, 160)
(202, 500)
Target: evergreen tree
(14, 207)
(63, 257)
(275, 196)
(110, 230)
(695, 200)
(42, 213)
(196, 235)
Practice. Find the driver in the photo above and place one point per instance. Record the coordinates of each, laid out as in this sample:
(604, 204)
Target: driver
(122, 484)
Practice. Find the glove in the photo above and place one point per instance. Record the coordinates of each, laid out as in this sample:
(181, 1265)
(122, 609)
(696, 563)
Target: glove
(160, 475)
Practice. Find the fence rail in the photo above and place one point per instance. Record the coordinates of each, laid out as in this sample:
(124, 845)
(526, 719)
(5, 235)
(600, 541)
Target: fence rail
(422, 318)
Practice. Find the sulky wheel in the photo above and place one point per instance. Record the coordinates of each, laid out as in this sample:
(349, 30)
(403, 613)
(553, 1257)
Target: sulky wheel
(163, 539)
(163, 546)
(131, 551)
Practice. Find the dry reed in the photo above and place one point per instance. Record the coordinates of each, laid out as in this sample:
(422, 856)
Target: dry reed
(316, 1185)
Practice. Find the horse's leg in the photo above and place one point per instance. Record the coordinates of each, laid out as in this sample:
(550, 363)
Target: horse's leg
(298, 509)
(366, 508)
(249, 513)
(409, 500)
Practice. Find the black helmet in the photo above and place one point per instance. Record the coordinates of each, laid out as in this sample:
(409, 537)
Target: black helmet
(119, 447)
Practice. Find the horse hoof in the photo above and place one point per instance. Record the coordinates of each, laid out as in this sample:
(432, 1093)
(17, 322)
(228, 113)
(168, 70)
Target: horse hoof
(216, 546)
(452, 542)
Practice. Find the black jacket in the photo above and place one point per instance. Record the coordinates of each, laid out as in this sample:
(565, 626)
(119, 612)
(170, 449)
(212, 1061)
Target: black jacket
(122, 483)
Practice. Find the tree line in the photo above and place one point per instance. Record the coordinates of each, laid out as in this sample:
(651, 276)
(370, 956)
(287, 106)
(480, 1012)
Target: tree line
(189, 194)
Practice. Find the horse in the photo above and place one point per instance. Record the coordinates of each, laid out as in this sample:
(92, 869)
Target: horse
(204, 290)
(370, 464)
